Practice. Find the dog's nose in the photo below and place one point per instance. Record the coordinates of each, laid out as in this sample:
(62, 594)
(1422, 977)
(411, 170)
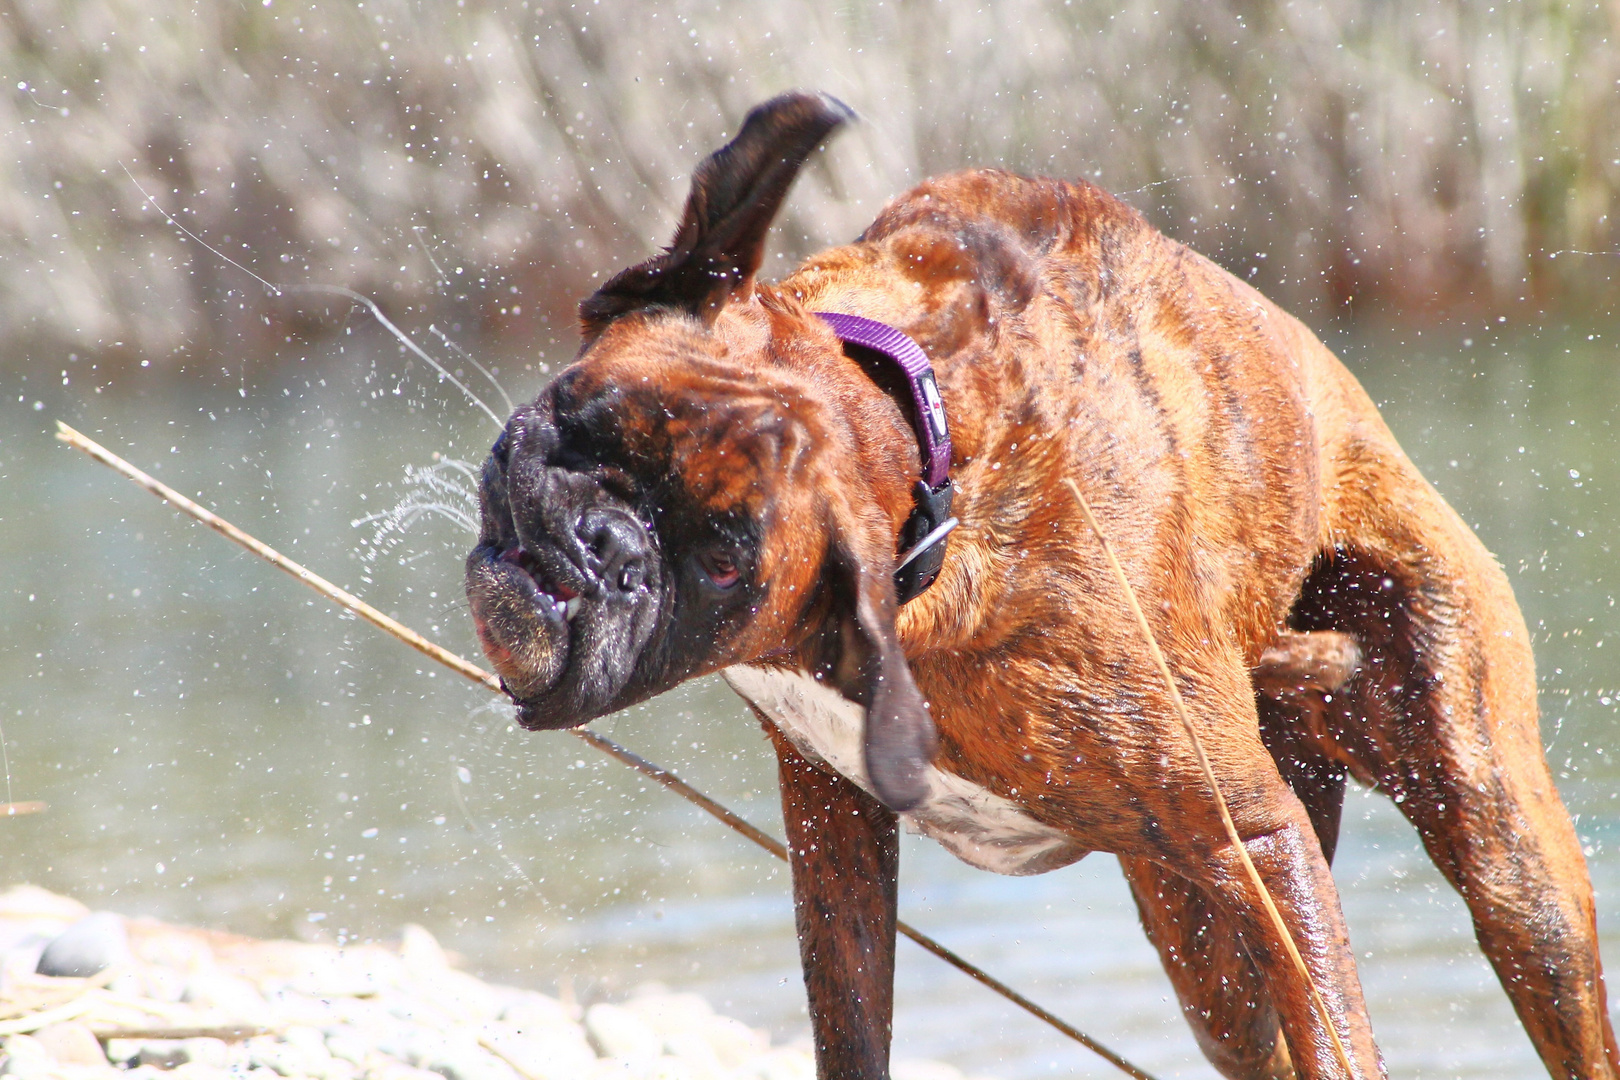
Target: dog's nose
(617, 547)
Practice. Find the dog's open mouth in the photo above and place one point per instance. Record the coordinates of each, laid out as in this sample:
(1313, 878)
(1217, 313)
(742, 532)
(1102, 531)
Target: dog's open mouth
(552, 597)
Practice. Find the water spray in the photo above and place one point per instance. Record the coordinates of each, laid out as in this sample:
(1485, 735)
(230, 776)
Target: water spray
(473, 673)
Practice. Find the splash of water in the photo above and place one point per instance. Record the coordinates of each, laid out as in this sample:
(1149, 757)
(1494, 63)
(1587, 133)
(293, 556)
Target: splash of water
(446, 490)
(338, 290)
(6, 758)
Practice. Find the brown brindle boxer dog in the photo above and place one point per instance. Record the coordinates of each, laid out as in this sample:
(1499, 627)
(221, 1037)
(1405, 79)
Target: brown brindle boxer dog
(718, 484)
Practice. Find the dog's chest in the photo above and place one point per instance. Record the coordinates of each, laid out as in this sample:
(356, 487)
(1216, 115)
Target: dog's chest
(978, 826)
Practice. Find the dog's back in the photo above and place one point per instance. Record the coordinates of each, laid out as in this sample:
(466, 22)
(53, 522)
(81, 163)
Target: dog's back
(1073, 338)
(719, 482)
(1253, 492)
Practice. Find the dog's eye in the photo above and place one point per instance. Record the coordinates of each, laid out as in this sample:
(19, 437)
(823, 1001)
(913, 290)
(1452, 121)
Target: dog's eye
(721, 567)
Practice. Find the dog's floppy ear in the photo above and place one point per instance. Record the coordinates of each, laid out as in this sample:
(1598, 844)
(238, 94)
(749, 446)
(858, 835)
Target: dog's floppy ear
(869, 668)
(736, 192)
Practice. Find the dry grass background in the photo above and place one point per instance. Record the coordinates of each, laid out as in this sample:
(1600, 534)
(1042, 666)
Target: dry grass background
(477, 162)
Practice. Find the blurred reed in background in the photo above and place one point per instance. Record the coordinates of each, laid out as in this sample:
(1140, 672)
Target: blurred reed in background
(478, 163)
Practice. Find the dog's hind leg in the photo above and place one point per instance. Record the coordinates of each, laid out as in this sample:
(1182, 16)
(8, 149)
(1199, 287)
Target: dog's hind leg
(1184, 834)
(1442, 717)
(1295, 684)
(844, 850)
(1221, 993)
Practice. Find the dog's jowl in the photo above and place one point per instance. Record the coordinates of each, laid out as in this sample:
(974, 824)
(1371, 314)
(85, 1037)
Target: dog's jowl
(847, 492)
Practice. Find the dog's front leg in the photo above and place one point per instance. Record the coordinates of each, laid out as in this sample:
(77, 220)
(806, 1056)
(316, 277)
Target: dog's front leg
(845, 852)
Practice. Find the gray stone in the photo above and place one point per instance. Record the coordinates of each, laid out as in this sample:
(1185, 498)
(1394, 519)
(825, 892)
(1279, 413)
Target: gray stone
(279, 1057)
(71, 1043)
(334, 1069)
(214, 1053)
(464, 1061)
(543, 1050)
(324, 972)
(390, 1069)
(617, 1032)
(145, 1072)
(308, 1040)
(668, 1013)
(913, 1069)
(25, 1056)
(88, 947)
(692, 1048)
(419, 1011)
(121, 1052)
(20, 958)
(349, 1045)
(163, 984)
(364, 1013)
(733, 1041)
(421, 952)
(229, 995)
(464, 997)
(539, 1011)
(409, 1043)
(164, 1054)
(191, 1070)
(316, 1055)
(779, 1064)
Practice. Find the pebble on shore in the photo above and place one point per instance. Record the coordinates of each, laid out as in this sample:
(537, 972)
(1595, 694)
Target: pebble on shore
(93, 996)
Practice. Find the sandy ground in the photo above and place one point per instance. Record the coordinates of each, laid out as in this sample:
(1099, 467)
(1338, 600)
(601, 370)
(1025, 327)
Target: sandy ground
(95, 996)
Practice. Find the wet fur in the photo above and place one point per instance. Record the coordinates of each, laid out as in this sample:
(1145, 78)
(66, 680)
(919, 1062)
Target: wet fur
(1279, 539)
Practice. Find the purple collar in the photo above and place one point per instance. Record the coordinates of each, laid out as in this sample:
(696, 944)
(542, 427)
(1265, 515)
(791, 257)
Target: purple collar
(922, 539)
(933, 436)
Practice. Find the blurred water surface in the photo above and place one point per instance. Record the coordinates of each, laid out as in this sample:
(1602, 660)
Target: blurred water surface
(217, 747)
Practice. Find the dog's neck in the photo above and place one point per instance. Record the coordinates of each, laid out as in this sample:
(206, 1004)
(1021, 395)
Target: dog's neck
(899, 365)
(897, 353)
(871, 410)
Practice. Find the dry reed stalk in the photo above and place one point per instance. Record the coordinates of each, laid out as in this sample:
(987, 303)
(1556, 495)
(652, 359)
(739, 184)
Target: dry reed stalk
(224, 1033)
(31, 1022)
(25, 998)
(1422, 153)
(342, 597)
(473, 672)
(1209, 777)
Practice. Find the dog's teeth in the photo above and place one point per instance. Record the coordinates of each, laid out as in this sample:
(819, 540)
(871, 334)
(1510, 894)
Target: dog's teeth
(571, 609)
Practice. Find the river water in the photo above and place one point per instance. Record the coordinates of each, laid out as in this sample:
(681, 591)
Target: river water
(218, 747)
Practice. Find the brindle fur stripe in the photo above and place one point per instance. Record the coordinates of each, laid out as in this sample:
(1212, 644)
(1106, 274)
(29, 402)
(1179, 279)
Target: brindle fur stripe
(488, 681)
(1232, 836)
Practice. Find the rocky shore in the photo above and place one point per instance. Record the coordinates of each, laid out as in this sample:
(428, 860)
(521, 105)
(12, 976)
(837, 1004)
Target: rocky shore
(95, 996)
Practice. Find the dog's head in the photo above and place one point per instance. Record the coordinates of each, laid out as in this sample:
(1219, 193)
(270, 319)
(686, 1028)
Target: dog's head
(679, 500)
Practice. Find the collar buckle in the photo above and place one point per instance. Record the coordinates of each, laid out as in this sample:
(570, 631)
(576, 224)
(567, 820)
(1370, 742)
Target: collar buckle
(923, 540)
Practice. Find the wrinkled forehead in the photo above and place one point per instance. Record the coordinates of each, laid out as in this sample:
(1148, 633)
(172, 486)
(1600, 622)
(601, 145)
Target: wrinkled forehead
(674, 406)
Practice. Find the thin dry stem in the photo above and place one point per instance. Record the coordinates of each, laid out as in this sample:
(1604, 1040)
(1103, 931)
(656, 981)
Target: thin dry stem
(652, 771)
(1415, 154)
(1209, 777)
(223, 1032)
(341, 597)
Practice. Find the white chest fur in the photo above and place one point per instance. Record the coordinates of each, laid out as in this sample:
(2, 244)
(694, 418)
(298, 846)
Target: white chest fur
(979, 827)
